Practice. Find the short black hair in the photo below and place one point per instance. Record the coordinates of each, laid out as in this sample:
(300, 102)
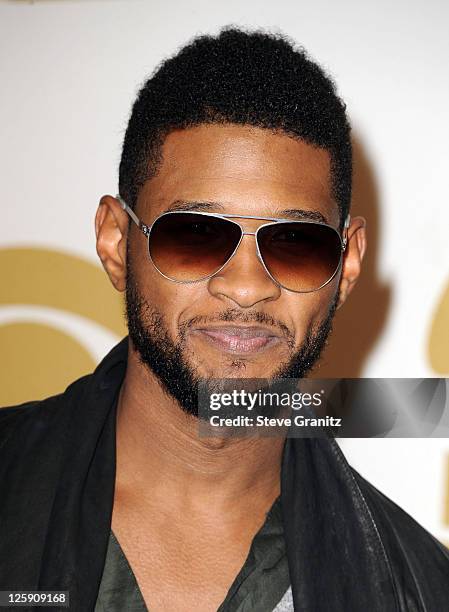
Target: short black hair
(240, 77)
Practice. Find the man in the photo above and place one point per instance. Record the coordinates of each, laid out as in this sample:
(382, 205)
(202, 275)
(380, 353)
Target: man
(232, 241)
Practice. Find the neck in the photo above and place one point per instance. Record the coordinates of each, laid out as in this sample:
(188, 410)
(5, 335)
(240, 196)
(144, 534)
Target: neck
(160, 455)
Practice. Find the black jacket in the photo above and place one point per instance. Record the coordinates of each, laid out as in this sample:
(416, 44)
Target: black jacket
(349, 548)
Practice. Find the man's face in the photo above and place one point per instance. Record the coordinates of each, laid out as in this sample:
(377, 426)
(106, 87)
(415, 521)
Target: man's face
(239, 323)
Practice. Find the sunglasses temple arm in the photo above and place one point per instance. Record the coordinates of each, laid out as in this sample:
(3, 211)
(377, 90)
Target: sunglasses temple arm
(130, 211)
(345, 229)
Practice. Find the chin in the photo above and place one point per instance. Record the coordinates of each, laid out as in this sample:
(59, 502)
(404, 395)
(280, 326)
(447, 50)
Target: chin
(236, 367)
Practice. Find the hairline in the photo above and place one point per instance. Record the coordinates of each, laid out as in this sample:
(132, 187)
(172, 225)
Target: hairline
(154, 155)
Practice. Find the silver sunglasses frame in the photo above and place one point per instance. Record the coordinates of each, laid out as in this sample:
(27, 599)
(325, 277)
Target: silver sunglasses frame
(146, 230)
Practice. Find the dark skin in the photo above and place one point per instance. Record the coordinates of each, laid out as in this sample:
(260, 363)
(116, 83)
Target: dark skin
(187, 508)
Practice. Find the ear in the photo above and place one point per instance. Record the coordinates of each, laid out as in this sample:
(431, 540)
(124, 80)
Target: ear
(111, 229)
(353, 256)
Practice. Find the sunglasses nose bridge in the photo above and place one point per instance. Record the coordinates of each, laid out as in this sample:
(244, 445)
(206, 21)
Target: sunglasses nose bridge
(258, 254)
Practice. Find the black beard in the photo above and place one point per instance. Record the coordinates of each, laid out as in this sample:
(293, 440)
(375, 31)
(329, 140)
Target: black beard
(149, 335)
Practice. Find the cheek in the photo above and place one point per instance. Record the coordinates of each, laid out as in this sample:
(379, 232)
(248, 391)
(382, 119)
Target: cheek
(153, 288)
(172, 300)
(309, 309)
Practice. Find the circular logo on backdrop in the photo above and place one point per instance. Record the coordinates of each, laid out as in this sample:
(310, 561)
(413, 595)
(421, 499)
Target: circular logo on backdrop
(59, 315)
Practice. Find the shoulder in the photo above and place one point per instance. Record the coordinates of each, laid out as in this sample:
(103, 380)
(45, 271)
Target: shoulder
(33, 420)
(412, 552)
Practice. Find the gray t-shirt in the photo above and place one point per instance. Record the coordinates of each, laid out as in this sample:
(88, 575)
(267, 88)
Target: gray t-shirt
(262, 585)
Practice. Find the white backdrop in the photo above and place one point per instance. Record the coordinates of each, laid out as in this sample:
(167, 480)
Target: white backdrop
(69, 73)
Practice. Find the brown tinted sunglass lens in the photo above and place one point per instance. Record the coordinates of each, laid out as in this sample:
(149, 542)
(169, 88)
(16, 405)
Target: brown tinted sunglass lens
(189, 246)
(300, 256)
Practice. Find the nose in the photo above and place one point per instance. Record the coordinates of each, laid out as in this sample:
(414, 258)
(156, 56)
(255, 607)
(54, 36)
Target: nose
(244, 279)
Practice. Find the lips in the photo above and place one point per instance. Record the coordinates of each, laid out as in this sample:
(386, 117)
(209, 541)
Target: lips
(238, 340)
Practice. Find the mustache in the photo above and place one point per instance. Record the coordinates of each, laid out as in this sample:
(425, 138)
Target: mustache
(234, 315)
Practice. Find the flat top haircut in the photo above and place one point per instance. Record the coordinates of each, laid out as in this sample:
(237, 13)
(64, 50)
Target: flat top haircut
(248, 78)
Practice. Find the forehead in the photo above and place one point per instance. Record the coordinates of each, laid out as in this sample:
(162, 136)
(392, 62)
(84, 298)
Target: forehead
(248, 170)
